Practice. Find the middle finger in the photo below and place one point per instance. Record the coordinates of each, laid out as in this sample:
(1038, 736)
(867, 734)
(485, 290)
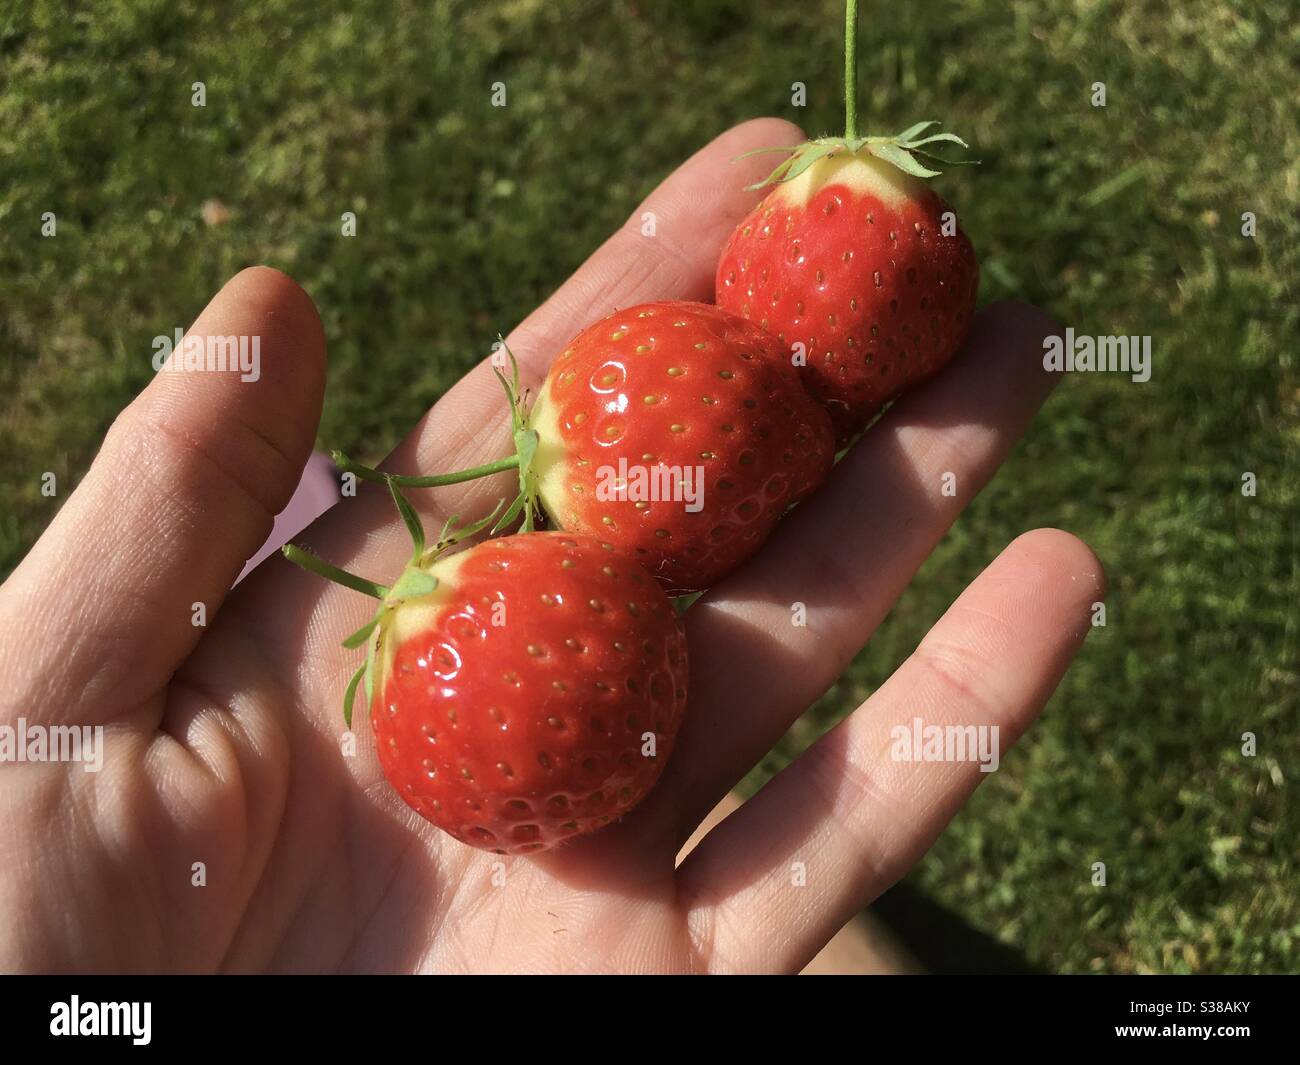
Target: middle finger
(843, 558)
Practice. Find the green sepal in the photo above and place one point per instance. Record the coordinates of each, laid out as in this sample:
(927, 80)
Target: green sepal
(900, 151)
(514, 396)
(526, 441)
(303, 558)
(412, 584)
(950, 138)
(448, 528)
(411, 519)
(783, 168)
(350, 696)
(453, 532)
(804, 160)
(368, 670)
(505, 384)
(899, 157)
(520, 501)
(476, 527)
(761, 151)
(361, 635)
(940, 159)
(913, 131)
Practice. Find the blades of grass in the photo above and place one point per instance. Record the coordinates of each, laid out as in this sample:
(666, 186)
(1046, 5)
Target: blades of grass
(1113, 187)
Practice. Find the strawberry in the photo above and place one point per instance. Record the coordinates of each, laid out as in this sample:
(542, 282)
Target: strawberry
(675, 431)
(849, 259)
(516, 736)
(852, 257)
(524, 691)
(663, 389)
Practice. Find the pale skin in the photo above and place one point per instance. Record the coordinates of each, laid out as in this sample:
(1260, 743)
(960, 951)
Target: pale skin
(223, 742)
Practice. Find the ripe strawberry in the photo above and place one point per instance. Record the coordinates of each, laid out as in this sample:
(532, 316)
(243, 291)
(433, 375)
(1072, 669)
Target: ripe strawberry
(675, 431)
(851, 256)
(676, 387)
(850, 260)
(522, 692)
(515, 736)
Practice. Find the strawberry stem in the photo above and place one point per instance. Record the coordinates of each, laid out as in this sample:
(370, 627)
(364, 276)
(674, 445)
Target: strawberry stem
(313, 564)
(850, 70)
(367, 473)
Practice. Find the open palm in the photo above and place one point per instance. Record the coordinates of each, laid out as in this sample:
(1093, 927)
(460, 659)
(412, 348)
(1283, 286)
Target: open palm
(224, 743)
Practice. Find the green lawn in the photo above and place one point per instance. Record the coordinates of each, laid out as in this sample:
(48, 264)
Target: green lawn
(1120, 220)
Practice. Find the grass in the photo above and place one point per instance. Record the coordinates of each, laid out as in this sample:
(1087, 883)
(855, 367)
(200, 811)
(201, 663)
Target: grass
(1123, 219)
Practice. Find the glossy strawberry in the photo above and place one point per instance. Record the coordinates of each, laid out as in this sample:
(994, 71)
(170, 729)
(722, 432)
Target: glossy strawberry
(855, 261)
(514, 705)
(855, 264)
(522, 692)
(678, 432)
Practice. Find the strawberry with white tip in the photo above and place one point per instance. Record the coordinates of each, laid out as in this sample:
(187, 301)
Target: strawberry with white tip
(675, 431)
(856, 264)
(523, 692)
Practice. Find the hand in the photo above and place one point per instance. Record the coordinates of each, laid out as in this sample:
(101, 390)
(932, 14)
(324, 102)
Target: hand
(222, 744)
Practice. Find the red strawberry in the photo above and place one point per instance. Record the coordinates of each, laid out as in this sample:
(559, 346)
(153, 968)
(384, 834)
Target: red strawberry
(513, 736)
(676, 431)
(681, 387)
(523, 692)
(854, 258)
(850, 260)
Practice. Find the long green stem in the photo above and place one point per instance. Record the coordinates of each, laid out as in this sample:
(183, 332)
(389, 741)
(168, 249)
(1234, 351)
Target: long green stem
(366, 473)
(850, 69)
(320, 567)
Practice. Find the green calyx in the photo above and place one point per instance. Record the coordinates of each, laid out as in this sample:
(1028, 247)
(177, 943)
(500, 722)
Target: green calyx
(415, 582)
(525, 441)
(900, 150)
